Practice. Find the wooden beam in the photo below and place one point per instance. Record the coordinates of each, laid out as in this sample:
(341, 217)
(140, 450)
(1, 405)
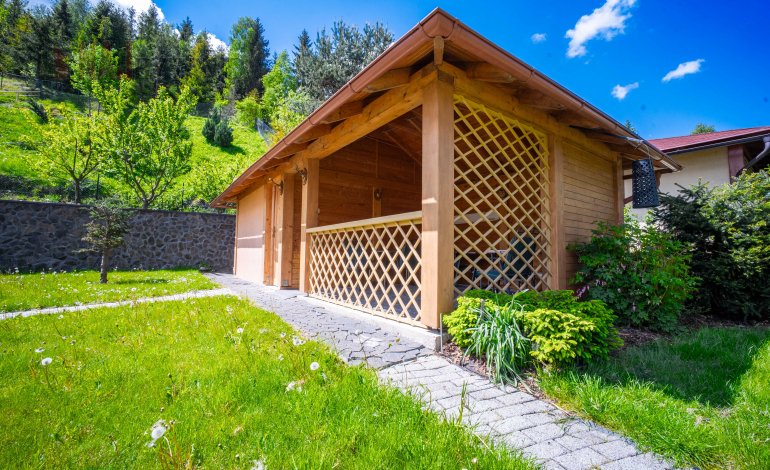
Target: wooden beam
(437, 203)
(539, 100)
(284, 232)
(573, 119)
(486, 72)
(309, 220)
(345, 111)
(376, 114)
(438, 51)
(290, 150)
(558, 245)
(390, 79)
(269, 235)
(376, 202)
(735, 160)
(315, 132)
(390, 134)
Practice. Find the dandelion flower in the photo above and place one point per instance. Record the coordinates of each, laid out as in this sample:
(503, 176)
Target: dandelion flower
(240, 330)
(61, 316)
(283, 335)
(291, 386)
(133, 289)
(262, 331)
(39, 350)
(258, 465)
(314, 366)
(298, 341)
(46, 361)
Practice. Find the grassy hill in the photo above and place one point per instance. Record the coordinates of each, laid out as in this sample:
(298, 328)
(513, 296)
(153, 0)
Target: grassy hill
(213, 168)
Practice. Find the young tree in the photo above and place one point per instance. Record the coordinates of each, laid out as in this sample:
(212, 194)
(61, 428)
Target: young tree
(93, 67)
(277, 84)
(150, 147)
(106, 232)
(69, 148)
(630, 126)
(249, 58)
(702, 129)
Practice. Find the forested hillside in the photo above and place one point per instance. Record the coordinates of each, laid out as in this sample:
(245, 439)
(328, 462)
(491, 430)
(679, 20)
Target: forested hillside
(96, 77)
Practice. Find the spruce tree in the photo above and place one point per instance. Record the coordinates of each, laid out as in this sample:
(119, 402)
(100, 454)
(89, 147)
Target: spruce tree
(249, 56)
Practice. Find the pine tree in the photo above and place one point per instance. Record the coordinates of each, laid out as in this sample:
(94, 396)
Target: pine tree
(185, 30)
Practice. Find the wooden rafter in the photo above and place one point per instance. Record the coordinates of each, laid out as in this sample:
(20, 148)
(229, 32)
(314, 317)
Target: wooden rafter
(539, 100)
(390, 79)
(487, 72)
(393, 137)
(345, 111)
(438, 50)
(314, 133)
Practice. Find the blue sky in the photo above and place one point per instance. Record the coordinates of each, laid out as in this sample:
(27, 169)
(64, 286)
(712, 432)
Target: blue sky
(727, 42)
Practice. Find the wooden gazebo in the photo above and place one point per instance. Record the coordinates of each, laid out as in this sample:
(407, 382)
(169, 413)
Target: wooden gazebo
(447, 164)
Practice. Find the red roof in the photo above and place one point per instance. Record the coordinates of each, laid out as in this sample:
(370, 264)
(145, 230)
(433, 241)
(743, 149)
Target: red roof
(670, 144)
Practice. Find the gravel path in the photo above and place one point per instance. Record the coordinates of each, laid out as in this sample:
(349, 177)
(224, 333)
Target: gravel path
(542, 431)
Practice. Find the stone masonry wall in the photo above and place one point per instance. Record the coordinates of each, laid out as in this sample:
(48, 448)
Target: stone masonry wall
(37, 236)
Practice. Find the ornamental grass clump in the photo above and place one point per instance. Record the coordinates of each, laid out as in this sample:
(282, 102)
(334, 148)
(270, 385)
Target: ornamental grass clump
(500, 338)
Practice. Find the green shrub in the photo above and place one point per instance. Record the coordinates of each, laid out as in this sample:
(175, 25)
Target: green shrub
(561, 300)
(728, 231)
(641, 273)
(223, 136)
(210, 126)
(466, 315)
(498, 336)
(563, 337)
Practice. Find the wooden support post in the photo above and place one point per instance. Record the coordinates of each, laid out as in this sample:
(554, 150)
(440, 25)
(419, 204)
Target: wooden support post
(269, 235)
(558, 244)
(619, 187)
(284, 232)
(309, 220)
(437, 202)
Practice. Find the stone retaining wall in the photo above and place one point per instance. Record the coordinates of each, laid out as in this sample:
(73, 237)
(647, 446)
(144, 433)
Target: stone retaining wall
(36, 236)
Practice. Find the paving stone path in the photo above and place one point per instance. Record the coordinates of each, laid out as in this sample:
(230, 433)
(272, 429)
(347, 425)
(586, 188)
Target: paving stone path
(541, 430)
(76, 308)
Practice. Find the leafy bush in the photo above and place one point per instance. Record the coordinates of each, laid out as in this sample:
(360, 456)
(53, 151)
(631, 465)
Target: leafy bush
(210, 126)
(499, 337)
(466, 315)
(728, 231)
(641, 273)
(223, 136)
(582, 333)
(248, 110)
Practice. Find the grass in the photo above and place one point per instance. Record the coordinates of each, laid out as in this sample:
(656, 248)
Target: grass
(82, 287)
(223, 392)
(702, 398)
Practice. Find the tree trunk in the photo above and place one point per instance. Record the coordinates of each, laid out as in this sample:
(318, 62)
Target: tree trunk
(145, 204)
(105, 266)
(77, 191)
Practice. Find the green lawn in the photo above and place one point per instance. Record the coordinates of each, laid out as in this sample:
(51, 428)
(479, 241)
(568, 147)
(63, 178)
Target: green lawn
(229, 382)
(702, 398)
(28, 291)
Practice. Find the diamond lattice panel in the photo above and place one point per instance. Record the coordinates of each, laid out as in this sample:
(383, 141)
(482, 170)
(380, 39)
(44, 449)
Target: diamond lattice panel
(502, 215)
(375, 268)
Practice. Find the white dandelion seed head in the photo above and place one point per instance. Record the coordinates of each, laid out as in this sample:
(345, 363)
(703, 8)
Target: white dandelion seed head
(61, 316)
(240, 330)
(283, 335)
(158, 430)
(280, 357)
(258, 465)
(291, 386)
(298, 341)
(314, 366)
(46, 361)
(263, 330)
(39, 350)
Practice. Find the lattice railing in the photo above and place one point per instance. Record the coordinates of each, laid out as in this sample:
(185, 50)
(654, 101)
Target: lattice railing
(372, 265)
(502, 215)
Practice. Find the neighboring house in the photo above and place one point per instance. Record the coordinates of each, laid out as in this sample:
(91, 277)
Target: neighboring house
(447, 164)
(714, 157)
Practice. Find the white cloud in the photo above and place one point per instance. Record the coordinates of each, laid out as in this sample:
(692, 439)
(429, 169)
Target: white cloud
(537, 37)
(686, 68)
(606, 22)
(620, 92)
(139, 6)
(216, 42)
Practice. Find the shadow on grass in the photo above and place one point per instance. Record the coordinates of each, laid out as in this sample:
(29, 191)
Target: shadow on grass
(140, 281)
(705, 366)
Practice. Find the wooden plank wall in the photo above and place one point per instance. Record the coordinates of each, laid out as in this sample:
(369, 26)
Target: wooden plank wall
(250, 237)
(588, 197)
(349, 176)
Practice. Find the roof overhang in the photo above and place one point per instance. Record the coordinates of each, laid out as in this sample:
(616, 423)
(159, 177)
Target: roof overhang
(414, 46)
(721, 143)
